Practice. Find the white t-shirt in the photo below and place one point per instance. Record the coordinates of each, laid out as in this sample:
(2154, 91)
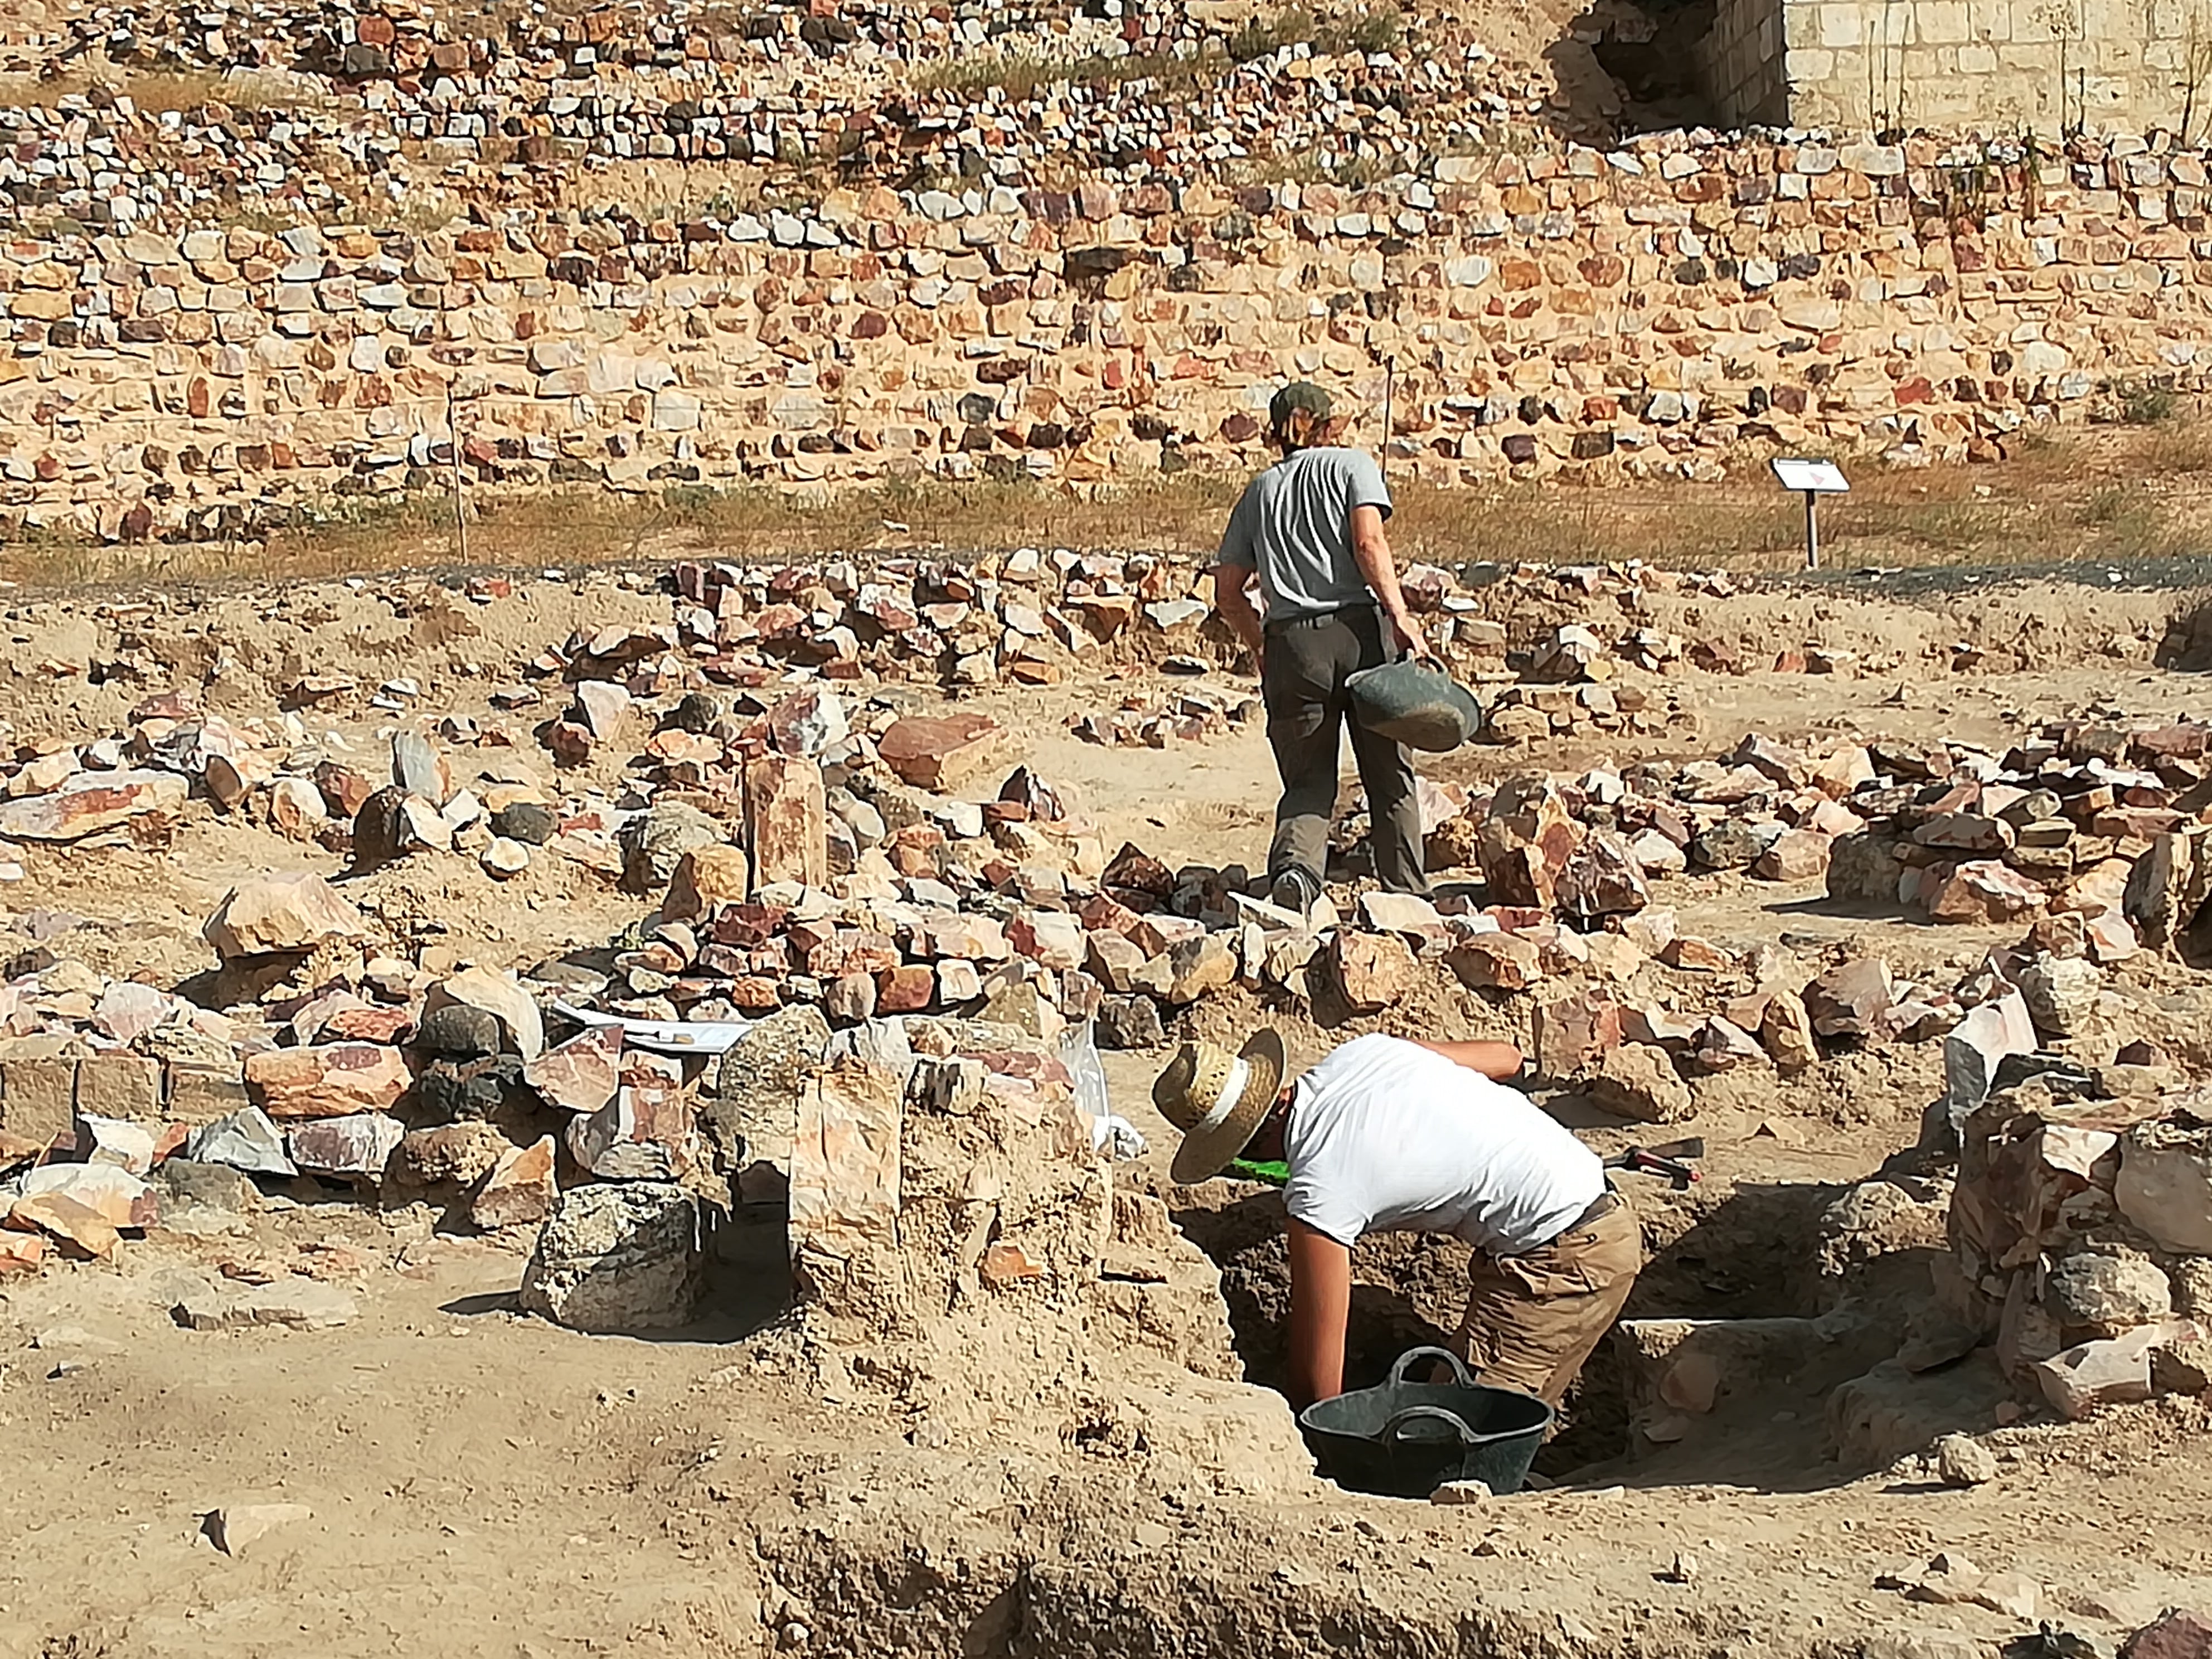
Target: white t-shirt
(1385, 1136)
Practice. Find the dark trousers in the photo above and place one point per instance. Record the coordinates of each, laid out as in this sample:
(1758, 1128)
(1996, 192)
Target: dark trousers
(1302, 677)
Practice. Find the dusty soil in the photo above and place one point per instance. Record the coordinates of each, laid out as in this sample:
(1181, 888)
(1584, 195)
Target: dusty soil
(484, 1483)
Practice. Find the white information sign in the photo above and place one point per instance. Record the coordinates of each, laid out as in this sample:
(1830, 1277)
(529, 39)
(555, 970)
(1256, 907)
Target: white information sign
(1825, 477)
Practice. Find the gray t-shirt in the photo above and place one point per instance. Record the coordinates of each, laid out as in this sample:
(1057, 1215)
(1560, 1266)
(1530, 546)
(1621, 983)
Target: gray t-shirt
(1293, 526)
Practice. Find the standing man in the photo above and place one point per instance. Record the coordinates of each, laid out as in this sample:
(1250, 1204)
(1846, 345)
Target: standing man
(1310, 529)
(1392, 1135)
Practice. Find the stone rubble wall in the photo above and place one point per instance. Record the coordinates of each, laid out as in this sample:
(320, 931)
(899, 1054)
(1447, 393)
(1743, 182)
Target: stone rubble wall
(1657, 309)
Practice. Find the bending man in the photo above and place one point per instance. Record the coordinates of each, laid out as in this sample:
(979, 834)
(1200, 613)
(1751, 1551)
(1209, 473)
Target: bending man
(1391, 1135)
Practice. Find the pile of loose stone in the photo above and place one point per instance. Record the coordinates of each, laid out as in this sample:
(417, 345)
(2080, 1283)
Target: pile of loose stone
(124, 1107)
(1025, 618)
(811, 859)
(2081, 1231)
(687, 697)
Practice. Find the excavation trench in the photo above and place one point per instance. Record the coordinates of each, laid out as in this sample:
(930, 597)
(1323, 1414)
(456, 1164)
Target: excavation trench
(1741, 1252)
(1110, 1549)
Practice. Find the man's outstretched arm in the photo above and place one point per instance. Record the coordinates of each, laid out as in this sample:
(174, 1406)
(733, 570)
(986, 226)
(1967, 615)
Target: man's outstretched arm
(1498, 1060)
(1321, 1303)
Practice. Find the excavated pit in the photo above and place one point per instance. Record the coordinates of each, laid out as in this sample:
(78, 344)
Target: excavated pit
(1745, 1251)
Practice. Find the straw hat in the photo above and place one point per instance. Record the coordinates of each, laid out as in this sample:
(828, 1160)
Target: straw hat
(1219, 1100)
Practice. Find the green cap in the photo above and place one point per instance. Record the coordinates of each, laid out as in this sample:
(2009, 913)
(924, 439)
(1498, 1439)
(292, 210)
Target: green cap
(1299, 394)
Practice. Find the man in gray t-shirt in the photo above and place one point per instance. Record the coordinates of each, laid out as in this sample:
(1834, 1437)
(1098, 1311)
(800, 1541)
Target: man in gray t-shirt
(1293, 526)
(1310, 529)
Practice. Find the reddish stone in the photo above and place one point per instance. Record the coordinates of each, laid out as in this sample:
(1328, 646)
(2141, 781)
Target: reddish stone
(2179, 1634)
(357, 1145)
(756, 994)
(1498, 962)
(367, 1024)
(1133, 871)
(907, 989)
(1694, 955)
(749, 924)
(519, 1191)
(706, 879)
(569, 742)
(1102, 913)
(1984, 891)
(1007, 1265)
(581, 1074)
(1053, 939)
(918, 850)
(343, 788)
(1786, 1030)
(333, 1080)
(939, 751)
(1851, 1000)
(1600, 877)
(1573, 1034)
(78, 1228)
(89, 802)
(1525, 842)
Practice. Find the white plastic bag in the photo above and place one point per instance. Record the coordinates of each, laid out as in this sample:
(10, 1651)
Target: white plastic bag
(1079, 1053)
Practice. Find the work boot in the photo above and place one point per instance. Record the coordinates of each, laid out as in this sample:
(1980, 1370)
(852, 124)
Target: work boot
(1295, 889)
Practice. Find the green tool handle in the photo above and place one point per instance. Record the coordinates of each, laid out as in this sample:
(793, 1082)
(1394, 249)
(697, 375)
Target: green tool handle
(1273, 1175)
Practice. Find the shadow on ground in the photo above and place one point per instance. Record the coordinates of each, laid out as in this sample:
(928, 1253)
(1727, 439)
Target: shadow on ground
(748, 1281)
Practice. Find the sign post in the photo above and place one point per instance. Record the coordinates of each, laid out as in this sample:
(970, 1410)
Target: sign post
(1389, 385)
(1812, 479)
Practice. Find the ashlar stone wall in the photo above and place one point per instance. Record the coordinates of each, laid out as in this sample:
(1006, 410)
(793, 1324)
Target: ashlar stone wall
(2048, 66)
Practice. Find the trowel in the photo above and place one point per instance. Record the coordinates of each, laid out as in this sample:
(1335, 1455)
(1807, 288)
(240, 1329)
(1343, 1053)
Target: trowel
(1670, 1159)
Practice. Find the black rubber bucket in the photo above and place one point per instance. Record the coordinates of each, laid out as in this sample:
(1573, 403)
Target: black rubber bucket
(1405, 1439)
(1413, 703)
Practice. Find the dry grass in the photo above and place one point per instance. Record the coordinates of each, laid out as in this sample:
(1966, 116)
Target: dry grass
(154, 92)
(2116, 496)
(1329, 36)
(1022, 76)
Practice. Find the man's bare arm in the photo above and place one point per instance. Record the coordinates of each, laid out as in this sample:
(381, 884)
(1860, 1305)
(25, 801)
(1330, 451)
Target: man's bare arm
(1320, 1304)
(1370, 550)
(1497, 1060)
(1232, 597)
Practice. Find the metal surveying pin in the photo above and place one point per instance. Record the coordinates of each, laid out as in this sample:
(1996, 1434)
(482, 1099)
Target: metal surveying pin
(1814, 479)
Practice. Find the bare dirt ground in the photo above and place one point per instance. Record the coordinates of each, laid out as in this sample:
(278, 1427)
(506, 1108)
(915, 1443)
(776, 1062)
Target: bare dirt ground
(484, 1483)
